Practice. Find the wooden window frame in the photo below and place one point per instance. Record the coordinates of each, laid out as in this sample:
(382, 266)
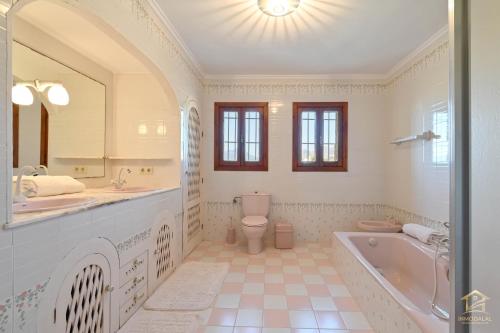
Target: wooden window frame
(240, 165)
(320, 165)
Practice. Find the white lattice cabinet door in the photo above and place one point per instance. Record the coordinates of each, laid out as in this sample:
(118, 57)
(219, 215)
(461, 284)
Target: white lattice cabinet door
(163, 250)
(83, 303)
(191, 183)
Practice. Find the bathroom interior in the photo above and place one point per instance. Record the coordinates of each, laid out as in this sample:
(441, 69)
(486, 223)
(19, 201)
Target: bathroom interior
(249, 166)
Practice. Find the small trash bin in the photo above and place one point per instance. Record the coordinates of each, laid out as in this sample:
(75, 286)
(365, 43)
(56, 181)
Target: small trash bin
(283, 234)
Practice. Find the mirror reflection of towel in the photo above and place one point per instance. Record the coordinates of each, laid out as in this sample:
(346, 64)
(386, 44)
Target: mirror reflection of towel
(44, 186)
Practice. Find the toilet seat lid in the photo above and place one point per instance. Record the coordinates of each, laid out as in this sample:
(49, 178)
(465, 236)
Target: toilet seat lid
(254, 221)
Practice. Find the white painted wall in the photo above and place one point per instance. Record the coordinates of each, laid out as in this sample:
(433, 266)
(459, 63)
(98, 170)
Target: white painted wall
(147, 126)
(415, 182)
(401, 182)
(485, 182)
(363, 183)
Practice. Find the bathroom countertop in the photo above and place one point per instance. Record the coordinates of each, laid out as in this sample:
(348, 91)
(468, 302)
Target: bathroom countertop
(102, 197)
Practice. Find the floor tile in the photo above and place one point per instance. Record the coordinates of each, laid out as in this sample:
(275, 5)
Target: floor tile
(280, 291)
(232, 288)
(298, 303)
(274, 289)
(323, 304)
(253, 288)
(222, 317)
(339, 291)
(252, 302)
(302, 319)
(276, 318)
(293, 278)
(255, 269)
(317, 290)
(247, 330)
(233, 277)
(275, 302)
(276, 330)
(329, 319)
(295, 289)
(355, 320)
(273, 278)
(292, 269)
(273, 262)
(347, 304)
(327, 270)
(249, 317)
(227, 301)
(218, 329)
(255, 277)
(313, 279)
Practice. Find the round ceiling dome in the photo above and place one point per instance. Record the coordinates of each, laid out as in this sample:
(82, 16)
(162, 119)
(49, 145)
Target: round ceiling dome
(278, 7)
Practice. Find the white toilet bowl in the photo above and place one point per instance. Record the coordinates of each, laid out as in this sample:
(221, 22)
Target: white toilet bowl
(254, 228)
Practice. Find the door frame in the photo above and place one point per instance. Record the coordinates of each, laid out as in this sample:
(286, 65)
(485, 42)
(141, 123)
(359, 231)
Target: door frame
(459, 100)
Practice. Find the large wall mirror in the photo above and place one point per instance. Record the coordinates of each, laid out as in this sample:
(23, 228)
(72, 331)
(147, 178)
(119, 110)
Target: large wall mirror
(59, 116)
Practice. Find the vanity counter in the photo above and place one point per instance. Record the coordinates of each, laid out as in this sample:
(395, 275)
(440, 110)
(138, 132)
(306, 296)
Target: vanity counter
(102, 197)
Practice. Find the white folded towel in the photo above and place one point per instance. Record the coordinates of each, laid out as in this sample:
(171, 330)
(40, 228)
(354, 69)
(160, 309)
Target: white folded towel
(420, 232)
(44, 186)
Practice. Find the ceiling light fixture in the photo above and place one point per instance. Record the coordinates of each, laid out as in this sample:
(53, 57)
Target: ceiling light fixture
(278, 7)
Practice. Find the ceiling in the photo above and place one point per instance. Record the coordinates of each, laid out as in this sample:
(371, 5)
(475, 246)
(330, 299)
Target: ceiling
(323, 37)
(80, 34)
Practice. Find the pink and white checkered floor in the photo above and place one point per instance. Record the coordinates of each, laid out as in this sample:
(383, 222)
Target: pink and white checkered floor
(280, 291)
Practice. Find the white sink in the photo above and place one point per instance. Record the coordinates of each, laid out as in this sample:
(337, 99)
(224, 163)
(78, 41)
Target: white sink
(42, 205)
(379, 226)
(131, 189)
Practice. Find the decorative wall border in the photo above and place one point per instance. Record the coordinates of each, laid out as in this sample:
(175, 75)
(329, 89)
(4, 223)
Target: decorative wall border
(287, 87)
(312, 221)
(5, 314)
(132, 241)
(26, 301)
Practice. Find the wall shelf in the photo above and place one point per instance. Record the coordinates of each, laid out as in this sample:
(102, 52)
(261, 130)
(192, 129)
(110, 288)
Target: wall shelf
(80, 157)
(138, 158)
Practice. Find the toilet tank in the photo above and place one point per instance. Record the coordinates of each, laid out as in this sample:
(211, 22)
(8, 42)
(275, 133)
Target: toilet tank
(256, 204)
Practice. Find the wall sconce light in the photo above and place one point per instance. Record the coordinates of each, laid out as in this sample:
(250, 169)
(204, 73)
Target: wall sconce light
(22, 94)
(142, 129)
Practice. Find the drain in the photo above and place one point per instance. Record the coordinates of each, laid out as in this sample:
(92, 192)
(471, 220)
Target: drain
(372, 242)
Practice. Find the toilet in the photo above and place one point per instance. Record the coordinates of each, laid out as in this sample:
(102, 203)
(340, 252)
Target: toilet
(254, 223)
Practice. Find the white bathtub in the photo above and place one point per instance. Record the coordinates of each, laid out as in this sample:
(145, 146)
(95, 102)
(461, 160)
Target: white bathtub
(404, 267)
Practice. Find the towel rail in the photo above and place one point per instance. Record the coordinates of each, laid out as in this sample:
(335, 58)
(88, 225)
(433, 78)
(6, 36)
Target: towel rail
(427, 136)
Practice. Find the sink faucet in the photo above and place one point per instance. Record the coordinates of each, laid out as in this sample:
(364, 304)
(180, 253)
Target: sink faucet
(24, 171)
(44, 168)
(118, 183)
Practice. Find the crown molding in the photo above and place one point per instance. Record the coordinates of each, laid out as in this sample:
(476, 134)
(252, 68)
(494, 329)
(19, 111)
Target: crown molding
(4, 7)
(306, 77)
(438, 38)
(153, 4)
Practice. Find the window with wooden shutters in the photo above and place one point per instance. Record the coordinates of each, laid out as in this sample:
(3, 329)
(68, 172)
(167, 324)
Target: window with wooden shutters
(241, 136)
(320, 136)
